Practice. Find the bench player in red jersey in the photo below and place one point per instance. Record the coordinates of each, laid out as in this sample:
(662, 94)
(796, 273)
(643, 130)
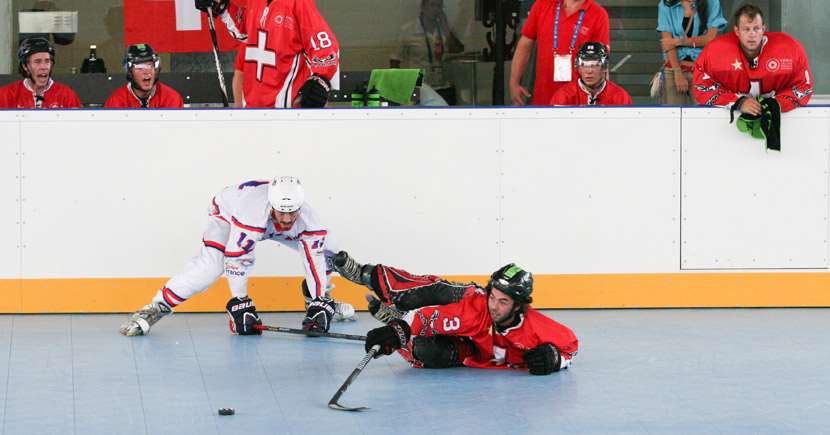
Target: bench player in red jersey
(37, 90)
(143, 88)
(592, 87)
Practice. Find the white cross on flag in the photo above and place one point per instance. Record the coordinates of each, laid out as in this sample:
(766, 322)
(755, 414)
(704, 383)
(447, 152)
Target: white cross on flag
(171, 26)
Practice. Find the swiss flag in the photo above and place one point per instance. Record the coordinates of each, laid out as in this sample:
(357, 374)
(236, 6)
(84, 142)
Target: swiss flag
(172, 26)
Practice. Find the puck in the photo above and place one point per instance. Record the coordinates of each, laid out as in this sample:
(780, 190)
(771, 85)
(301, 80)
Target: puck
(226, 411)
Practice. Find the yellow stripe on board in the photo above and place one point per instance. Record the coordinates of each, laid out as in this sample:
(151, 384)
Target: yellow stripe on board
(675, 290)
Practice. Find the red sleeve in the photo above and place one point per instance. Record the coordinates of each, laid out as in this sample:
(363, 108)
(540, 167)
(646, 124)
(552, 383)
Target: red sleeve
(461, 318)
(115, 101)
(530, 29)
(561, 97)
(549, 331)
(800, 88)
(625, 98)
(705, 90)
(234, 20)
(239, 62)
(321, 47)
(174, 99)
(71, 99)
(6, 100)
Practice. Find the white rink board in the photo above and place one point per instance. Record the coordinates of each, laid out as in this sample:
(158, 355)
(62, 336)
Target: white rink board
(124, 193)
(587, 192)
(135, 201)
(745, 208)
(9, 200)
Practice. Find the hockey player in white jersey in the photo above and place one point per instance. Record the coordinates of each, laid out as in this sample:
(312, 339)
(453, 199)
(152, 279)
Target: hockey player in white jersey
(240, 216)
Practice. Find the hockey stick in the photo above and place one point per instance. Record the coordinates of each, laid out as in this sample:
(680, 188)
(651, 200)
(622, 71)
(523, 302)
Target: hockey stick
(621, 63)
(216, 58)
(310, 333)
(333, 402)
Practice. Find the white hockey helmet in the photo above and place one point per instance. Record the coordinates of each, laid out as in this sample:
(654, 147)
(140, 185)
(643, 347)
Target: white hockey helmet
(286, 194)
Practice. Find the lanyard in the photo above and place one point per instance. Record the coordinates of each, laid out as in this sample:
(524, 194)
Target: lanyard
(556, 27)
(427, 41)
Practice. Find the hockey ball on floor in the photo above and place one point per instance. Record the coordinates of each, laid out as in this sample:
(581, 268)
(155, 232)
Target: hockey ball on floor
(226, 411)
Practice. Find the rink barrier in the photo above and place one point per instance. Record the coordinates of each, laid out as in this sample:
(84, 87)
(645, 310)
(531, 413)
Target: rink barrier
(609, 207)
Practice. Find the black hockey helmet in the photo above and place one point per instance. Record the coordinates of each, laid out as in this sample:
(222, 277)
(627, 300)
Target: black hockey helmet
(592, 52)
(140, 53)
(670, 3)
(513, 281)
(30, 46)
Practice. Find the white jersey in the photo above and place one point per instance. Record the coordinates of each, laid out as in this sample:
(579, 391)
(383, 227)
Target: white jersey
(245, 207)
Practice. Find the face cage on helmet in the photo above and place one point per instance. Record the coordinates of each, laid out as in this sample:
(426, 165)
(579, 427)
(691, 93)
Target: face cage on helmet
(130, 64)
(603, 61)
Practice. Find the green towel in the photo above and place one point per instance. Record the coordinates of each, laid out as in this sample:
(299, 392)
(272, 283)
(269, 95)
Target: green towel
(395, 85)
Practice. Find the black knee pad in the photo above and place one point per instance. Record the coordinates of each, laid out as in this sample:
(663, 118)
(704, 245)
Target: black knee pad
(436, 352)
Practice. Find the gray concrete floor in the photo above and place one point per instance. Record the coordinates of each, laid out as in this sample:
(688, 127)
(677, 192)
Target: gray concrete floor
(638, 371)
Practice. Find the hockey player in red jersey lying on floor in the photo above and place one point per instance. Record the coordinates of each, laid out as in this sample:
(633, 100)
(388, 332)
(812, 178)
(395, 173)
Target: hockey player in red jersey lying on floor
(434, 323)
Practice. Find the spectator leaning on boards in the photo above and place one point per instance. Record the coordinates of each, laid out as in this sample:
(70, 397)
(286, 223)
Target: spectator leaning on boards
(751, 62)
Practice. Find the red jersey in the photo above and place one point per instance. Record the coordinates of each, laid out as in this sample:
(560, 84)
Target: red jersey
(162, 96)
(539, 26)
(19, 95)
(723, 74)
(287, 41)
(575, 94)
(470, 318)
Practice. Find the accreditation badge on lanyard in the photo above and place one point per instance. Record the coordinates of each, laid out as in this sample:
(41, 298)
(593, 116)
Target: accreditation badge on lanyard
(563, 63)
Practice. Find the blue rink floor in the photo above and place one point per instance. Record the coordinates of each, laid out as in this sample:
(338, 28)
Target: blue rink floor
(638, 371)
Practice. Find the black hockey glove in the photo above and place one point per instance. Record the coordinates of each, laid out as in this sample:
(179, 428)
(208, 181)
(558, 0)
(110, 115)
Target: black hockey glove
(315, 92)
(318, 315)
(391, 337)
(542, 360)
(242, 316)
(218, 6)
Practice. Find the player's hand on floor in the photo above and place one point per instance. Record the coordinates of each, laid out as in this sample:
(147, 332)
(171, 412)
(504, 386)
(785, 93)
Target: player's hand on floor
(543, 360)
(391, 337)
(319, 314)
(243, 316)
